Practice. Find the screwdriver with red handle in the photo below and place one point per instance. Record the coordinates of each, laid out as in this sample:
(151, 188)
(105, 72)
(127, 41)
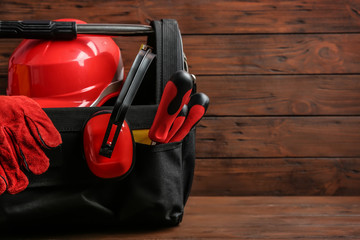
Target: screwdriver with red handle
(197, 107)
(176, 94)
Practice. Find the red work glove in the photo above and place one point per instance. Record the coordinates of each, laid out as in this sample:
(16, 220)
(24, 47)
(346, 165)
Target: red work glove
(24, 128)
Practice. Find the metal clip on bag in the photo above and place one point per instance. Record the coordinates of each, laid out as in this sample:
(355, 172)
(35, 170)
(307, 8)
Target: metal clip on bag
(124, 183)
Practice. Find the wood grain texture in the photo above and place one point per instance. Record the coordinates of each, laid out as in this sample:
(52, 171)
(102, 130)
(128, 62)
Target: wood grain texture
(277, 176)
(202, 16)
(91, 11)
(214, 17)
(278, 137)
(273, 54)
(240, 218)
(282, 95)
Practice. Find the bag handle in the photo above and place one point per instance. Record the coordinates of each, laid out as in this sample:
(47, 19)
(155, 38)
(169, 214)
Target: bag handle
(59, 30)
(167, 43)
(123, 102)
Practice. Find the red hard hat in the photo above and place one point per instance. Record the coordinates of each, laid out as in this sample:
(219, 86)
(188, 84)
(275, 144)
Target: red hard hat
(83, 72)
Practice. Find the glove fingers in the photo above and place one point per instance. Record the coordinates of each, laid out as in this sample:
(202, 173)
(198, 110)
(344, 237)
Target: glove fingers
(22, 108)
(43, 130)
(13, 177)
(34, 158)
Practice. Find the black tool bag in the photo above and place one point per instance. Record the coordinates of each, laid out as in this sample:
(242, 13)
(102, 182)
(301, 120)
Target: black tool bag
(155, 190)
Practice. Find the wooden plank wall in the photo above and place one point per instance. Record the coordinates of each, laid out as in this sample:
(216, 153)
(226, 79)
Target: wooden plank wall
(283, 78)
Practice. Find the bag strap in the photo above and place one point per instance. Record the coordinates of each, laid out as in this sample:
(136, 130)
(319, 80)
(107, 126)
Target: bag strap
(171, 58)
(167, 43)
(132, 83)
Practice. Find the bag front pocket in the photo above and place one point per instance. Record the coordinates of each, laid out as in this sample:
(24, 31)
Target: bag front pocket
(154, 188)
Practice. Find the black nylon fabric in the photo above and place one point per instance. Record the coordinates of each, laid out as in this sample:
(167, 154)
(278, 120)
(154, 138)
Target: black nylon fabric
(154, 193)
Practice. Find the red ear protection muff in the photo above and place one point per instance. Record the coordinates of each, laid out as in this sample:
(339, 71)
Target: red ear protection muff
(108, 142)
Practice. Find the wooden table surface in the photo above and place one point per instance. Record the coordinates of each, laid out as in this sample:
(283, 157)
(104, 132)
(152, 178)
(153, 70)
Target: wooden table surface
(247, 218)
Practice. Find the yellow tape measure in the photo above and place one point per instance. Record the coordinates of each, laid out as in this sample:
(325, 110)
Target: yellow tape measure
(142, 136)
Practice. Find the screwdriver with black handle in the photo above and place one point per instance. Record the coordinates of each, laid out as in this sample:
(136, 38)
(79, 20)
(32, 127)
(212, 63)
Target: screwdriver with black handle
(61, 30)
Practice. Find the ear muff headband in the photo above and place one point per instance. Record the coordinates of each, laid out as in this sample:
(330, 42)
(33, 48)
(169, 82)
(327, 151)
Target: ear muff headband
(126, 96)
